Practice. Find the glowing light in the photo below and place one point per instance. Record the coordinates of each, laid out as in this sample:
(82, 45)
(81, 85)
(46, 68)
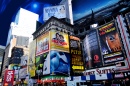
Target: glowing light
(35, 5)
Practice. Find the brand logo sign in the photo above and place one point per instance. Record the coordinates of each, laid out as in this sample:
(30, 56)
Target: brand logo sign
(99, 71)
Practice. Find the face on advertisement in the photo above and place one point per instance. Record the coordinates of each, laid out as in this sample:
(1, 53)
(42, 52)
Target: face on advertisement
(59, 61)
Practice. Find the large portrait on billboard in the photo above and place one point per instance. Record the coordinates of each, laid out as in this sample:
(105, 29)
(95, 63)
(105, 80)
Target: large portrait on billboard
(59, 41)
(31, 59)
(42, 64)
(60, 62)
(42, 44)
(91, 50)
(110, 42)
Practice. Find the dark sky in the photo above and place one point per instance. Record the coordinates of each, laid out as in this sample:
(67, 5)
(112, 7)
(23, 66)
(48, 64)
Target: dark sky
(7, 12)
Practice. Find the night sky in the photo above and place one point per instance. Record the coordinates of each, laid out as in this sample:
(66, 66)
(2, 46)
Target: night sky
(7, 12)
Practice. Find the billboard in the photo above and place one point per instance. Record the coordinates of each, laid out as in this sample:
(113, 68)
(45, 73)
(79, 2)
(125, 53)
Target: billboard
(91, 50)
(59, 41)
(56, 11)
(42, 44)
(42, 63)
(76, 55)
(111, 47)
(31, 59)
(8, 78)
(60, 62)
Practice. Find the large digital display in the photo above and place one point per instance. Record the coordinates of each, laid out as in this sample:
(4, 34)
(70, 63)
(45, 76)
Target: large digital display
(31, 59)
(76, 55)
(91, 50)
(42, 44)
(111, 46)
(59, 41)
(60, 62)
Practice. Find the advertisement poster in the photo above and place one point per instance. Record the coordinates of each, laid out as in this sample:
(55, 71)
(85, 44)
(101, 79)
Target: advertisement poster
(56, 11)
(59, 41)
(42, 44)
(91, 50)
(23, 73)
(9, 78)
(42, 64)
(76, 55)
(60, 62)
(31, 59)
(111, 47)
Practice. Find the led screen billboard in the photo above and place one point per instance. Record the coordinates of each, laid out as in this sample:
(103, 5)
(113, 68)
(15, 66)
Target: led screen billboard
(59, 62)
(31, 59)
(91, 50)
(56, 11)
(76, 55)
(111, 47)
(59, 41)
(42, 44)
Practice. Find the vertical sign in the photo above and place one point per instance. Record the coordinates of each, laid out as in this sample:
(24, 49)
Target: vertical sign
(31, 59)
(92, 51)
(9, 78)
(111, 47)
(76, 55)
(127, 15)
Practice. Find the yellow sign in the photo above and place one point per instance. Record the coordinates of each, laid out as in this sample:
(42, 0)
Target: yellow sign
(31, 59)
(59, 41)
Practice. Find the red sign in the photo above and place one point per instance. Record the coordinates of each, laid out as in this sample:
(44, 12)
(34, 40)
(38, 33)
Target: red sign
(9, 77)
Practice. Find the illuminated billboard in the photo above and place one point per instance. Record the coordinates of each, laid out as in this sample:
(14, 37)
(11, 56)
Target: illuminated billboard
(31, 59)
(42, 44)
(59, 41)
(59, 62)
(56, 11)
(111, 47)
(76, 55)
(91, 50)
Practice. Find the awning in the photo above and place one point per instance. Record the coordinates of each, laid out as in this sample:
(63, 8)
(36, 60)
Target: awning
(92, 77)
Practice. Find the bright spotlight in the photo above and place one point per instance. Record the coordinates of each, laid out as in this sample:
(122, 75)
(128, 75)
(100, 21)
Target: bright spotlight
(35, 5)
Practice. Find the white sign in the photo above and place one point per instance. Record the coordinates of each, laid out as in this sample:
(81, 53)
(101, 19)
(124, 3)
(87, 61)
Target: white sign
(99, 71)
(56, 11)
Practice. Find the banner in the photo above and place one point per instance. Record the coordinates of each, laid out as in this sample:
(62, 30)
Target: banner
(56, 11)
(59, 41)
(42, 44)
(43, 64)
(31, 59)
(9, 78)
(76, 55)
(60, 62)
(92, 51)
(111, 47)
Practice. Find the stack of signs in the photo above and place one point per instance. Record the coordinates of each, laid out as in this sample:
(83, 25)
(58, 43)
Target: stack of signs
(76, 55)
